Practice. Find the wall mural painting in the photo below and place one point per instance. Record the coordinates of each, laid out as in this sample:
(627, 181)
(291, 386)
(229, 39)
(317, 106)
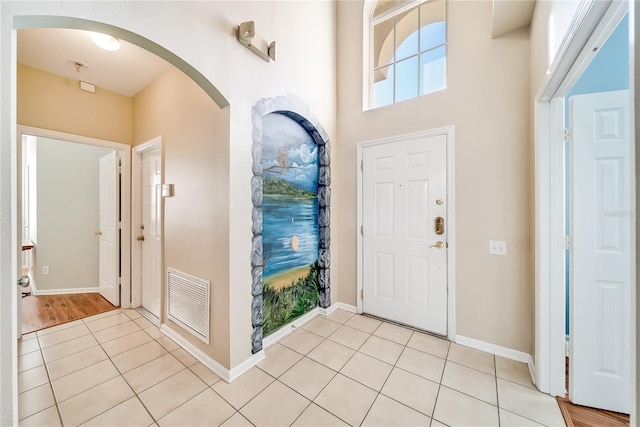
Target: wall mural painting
(291, 197)
(289, 221)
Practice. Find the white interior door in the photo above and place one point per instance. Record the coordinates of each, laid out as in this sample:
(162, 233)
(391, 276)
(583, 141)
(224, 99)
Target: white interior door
(151, 231)
(109, 265)
(599, 371)
(404, 190)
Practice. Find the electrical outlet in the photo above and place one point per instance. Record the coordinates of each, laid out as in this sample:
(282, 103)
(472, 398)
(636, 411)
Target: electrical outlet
(45, 269)
(497, 247)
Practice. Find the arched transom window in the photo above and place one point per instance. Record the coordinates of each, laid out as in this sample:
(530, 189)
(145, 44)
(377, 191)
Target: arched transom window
(408, 50)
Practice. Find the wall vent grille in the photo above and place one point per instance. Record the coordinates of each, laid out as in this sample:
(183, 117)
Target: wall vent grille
(189, 301)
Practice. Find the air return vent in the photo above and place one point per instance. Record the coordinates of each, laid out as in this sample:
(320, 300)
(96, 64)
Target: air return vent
(189, 298)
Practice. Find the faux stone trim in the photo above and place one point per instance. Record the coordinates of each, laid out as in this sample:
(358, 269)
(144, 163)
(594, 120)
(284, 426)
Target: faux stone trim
(297, 110)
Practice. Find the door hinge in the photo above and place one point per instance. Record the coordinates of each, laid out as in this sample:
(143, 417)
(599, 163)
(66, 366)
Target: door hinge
(362, 230)
(567, 242)
(361, 293)
(119, 281)
(119, 225)
(120, 170)
(567, 135)
(362, 165)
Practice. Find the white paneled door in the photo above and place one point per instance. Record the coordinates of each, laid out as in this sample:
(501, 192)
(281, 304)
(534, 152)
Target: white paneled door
(404, 219)
(109, 264)
(599, 373)
(151, 230)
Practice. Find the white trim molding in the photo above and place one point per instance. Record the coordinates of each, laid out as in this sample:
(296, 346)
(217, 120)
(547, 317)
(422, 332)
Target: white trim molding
(507, 353)
(66, 291)
(289, 328)
(136, 218)
(125, 198)
(593, 22)
(449, 132)
(300, 321)
(231, 374)
(338, 306)
(226, 374)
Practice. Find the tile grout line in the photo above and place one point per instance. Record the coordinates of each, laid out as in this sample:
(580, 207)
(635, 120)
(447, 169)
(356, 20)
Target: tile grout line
(110, 360)
(495, 368)
(435, 402)
(388, 375)
(55, 402)
(135, 394)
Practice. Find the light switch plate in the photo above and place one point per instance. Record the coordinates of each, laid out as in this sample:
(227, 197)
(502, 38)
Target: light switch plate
(497, 247)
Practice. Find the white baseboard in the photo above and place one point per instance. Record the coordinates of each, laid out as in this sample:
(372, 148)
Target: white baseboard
(231, 374)
(287, 329)
(64, 291)
(505, 352)
(227, 375)
(532, 370)
(338, 305)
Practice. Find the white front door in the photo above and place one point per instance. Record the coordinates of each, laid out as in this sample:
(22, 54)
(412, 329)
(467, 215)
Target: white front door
(109, 265)
(151, 231)
(601, 215)
(404, 192)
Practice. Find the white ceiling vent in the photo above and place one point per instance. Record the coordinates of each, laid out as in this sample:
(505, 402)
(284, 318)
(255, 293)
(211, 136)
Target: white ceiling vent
(189, 302)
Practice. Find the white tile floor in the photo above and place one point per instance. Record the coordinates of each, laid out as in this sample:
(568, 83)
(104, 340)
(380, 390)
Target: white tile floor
(117, 369)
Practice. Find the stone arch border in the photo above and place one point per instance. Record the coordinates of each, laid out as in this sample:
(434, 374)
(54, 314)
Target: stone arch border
(298, 111)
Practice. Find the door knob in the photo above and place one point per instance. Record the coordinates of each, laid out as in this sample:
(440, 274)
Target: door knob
(140, 238)
(439, 245)
(98, 233)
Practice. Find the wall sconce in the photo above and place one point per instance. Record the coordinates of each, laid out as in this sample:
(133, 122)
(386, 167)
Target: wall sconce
(246, 33)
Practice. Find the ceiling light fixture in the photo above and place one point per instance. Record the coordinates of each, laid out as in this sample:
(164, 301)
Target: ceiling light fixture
(105, 41)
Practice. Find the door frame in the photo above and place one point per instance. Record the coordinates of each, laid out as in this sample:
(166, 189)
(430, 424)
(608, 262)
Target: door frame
(449, 132)
(125, 196)
(591, 27)
(136, 220)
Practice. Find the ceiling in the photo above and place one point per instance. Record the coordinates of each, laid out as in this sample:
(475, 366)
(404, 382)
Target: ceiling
(126, 71)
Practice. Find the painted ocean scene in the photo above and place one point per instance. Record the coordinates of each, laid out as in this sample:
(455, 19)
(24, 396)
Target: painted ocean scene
(289, 221)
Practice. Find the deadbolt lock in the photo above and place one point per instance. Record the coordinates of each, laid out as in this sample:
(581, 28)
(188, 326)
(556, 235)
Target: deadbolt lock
(140, 238)
(439, 225)
(98, 233)
(439, 245)
(439, 202)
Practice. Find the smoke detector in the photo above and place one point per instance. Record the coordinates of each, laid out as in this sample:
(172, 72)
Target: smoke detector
(78, 65)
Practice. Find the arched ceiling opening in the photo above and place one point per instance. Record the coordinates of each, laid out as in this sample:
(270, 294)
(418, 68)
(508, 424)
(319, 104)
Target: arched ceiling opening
(47, 21)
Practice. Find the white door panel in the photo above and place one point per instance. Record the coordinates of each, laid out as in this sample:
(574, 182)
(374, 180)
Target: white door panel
(109, 263)
(404, 275)
(151, 231)
(601, 251)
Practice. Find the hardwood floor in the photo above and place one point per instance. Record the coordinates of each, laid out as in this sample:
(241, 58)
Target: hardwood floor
(582, 416)
(45, 311)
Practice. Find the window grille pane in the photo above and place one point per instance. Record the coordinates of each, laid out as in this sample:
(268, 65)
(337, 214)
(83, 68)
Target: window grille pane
(383, 6)
(432, 25)
(383, 45)
(433, 70)
(407, 79)
(383, 86)
(407, 34)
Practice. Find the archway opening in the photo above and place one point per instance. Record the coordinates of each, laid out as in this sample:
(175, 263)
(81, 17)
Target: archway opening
(291, 217)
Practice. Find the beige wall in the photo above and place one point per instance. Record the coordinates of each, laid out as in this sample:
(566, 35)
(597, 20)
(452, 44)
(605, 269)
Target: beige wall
(68, 209)
(550, 23)
(195, 135)
(202, 33)
(487, 100)
(48, 101)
